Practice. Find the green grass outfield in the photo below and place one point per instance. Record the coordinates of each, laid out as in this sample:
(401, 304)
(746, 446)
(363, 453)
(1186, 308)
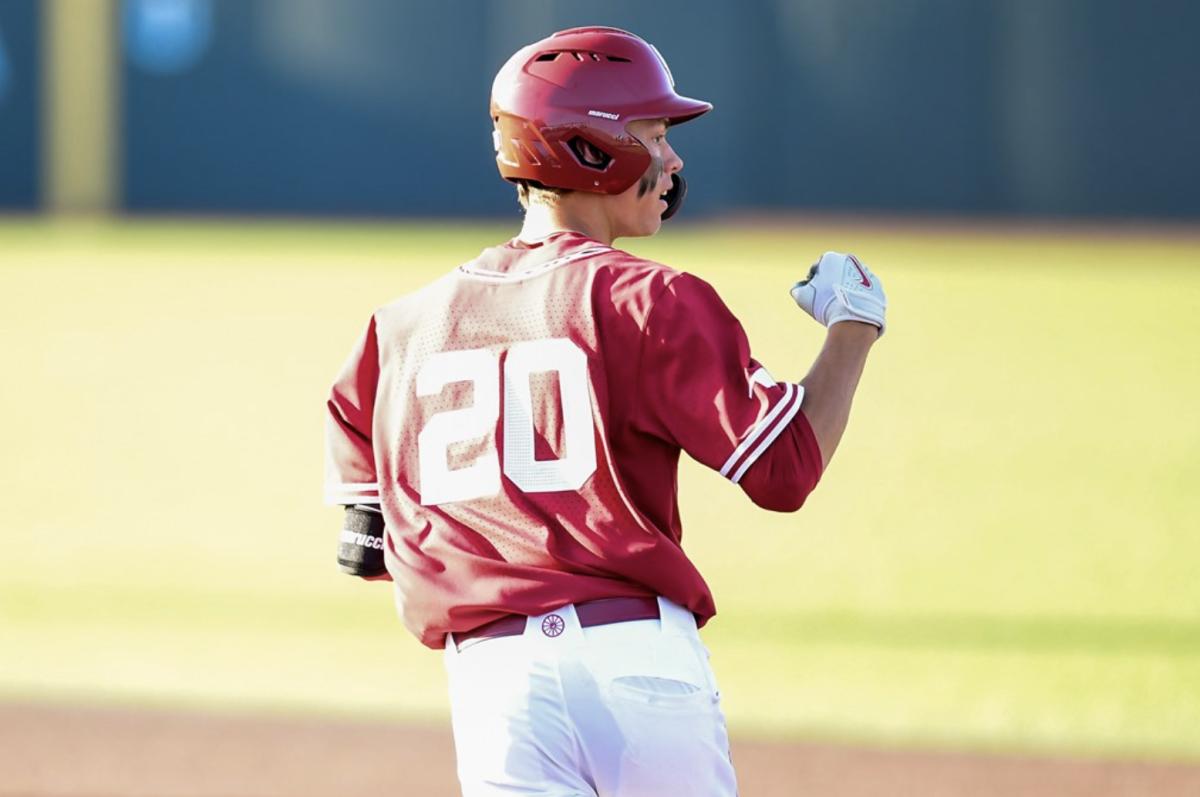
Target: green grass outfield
(1003, 555)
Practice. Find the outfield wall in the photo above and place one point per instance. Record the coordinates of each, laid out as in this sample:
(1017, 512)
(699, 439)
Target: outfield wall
(379, 107)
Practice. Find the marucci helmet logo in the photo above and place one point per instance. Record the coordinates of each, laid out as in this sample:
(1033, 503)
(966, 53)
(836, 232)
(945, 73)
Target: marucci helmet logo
(605, 115)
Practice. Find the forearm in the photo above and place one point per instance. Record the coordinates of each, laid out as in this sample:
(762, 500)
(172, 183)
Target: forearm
(832, 381)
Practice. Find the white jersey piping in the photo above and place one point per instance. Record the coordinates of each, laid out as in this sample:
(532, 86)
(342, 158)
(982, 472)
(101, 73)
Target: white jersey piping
(352, 493)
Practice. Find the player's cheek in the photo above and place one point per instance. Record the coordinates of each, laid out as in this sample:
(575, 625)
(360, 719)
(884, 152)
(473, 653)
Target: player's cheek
(653, 219)
(647, 211)
(641, 212)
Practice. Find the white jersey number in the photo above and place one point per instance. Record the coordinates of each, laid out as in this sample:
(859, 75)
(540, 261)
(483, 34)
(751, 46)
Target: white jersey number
(481, 478)
(439, 484)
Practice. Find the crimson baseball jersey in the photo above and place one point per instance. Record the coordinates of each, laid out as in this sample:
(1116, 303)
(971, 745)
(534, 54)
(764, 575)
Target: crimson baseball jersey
(520, 420)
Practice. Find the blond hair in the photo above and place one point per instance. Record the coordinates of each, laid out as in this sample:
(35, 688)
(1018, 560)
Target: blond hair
(531, 192)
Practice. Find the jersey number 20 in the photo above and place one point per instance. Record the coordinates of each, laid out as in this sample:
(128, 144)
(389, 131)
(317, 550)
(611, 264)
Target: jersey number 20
(440, 485)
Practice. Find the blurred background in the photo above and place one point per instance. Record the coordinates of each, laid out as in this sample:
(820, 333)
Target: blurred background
(202, 201)
(1061, 108)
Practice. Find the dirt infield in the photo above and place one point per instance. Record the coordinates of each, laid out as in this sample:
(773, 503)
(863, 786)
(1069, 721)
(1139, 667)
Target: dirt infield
(72, 752)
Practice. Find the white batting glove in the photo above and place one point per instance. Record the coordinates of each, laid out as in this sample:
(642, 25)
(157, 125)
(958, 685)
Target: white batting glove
(840, 288)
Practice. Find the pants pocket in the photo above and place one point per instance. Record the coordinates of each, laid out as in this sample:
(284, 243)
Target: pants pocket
(656, 691)
(667, 737)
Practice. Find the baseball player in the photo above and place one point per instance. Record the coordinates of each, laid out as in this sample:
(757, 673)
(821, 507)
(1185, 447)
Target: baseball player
(506, 442)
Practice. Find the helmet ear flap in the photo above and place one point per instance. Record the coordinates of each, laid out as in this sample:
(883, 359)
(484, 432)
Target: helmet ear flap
(675, 196)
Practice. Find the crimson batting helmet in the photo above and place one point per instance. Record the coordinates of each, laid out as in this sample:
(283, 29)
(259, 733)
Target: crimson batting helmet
(583, 86)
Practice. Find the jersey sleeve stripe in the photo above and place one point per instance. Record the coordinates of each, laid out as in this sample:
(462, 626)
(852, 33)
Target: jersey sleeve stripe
(760, 428)
(352, 493)
(776, 430)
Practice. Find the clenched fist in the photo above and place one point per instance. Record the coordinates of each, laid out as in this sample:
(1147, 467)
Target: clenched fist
(840, 288)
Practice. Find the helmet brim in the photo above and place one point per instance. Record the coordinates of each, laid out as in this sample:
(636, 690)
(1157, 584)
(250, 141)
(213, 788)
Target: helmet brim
(675, 109)
(685, 109)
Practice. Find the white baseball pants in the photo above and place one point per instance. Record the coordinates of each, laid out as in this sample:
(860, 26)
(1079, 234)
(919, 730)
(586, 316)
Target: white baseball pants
(620, 710)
